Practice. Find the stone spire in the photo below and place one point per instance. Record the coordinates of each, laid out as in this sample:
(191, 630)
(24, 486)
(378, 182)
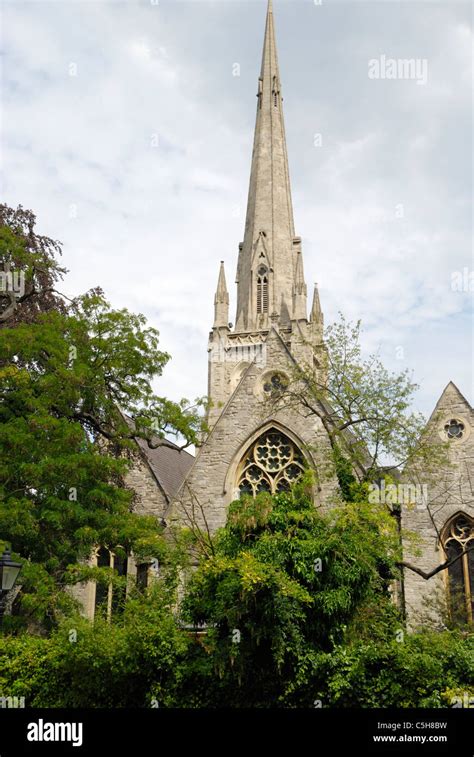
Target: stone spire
(269, 245)
(221, 301)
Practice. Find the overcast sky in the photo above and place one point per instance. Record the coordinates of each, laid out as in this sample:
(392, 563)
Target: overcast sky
(127, 132)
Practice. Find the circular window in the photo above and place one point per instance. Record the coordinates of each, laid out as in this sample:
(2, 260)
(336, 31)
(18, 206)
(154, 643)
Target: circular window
(275, 384)
(454, 429)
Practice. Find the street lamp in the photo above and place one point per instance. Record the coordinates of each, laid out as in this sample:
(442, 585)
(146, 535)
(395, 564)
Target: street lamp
(9, 570)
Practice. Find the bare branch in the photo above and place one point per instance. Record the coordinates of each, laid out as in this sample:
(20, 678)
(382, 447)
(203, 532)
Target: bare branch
(132, 436)
(438, 569)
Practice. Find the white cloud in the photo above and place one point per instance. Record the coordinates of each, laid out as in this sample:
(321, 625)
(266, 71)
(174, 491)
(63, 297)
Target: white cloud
(151, 143)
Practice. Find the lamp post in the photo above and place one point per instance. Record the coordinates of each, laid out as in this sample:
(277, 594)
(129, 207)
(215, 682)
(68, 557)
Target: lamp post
(9, 570)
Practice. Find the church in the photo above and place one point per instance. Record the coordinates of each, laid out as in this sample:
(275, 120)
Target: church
(255, 446)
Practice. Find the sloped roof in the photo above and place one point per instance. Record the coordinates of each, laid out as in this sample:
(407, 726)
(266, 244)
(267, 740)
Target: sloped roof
(168, 463)
(449, 396)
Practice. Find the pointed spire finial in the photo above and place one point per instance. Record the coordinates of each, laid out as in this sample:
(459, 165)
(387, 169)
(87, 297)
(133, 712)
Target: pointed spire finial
(316, 312)
(300, 284)
(221, 301)
(299, 290)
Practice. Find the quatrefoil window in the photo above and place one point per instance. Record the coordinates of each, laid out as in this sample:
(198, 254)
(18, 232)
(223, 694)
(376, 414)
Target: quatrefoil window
(272, 464)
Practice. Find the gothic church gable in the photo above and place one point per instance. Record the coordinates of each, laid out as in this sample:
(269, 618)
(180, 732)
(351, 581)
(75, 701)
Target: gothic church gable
(214, 478)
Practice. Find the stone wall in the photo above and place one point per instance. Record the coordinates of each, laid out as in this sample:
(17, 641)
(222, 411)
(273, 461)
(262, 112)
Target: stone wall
(450, 490)
(149, 497)
(149, 500)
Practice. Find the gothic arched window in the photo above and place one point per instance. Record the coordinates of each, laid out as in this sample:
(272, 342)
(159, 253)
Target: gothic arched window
(459, 536)
(262, 290)
(272, 464)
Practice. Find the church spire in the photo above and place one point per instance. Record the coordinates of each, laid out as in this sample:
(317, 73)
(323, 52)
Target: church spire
(221, 301)
(268, 253)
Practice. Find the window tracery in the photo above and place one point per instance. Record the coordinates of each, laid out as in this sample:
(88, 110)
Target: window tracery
(458, 538)
(273, 463)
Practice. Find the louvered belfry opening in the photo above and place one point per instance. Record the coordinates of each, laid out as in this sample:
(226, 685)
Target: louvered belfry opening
(262, 290)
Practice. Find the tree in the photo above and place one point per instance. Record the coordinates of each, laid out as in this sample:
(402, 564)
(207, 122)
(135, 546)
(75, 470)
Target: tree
(75, 394)
(280, 589)
(29, 270)
(366, 411)
(364, 408)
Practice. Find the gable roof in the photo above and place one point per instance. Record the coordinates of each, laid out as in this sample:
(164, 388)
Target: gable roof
(450, 396)
(168, 463)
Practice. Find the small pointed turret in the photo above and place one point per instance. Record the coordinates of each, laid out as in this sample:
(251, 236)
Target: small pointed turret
(317, 318)
(221, 301)
(316, 312)
(299, 291)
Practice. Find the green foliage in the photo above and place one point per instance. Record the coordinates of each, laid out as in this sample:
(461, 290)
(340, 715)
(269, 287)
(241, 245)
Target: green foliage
(420, 670)
(278, 632)
(365, 409)
(345, 474)
(25, 253)
(75, 394)
(283, 585)
(145, 660)
(60, 492)
(371, 402)
(125, 664)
